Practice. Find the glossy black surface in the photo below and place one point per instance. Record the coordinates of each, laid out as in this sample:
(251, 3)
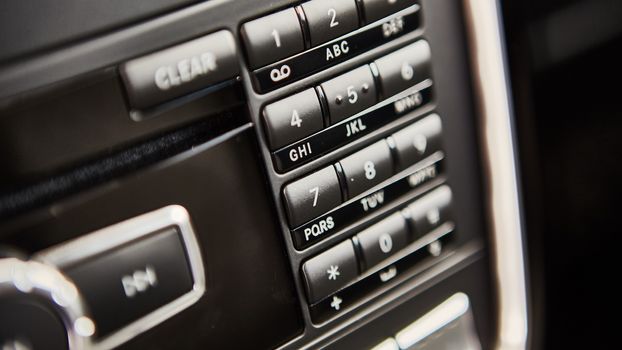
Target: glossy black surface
(252, 299)
(113, 300)
(468, 280)
(335, 136)
(351, 295)
(235, 229)
(322, 57)
(352, 211)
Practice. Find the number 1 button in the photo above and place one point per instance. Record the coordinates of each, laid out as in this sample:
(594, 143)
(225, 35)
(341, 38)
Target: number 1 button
(311, 196)
(273, 37)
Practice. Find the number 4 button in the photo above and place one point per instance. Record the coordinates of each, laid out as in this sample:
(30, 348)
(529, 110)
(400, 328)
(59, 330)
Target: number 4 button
(292, 118)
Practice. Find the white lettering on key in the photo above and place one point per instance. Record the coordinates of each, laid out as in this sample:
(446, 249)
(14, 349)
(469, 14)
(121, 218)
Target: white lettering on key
(355, 127)
(139, 281)
(409, 102)
(373, 200)
(300, 152)
(386, 243)
(185, 70)
(337, 50)
(319, 228)
(422, 176)
(280, 74)
(393, 27)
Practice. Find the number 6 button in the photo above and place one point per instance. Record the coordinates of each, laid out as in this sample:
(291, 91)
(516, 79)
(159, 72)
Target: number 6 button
(292, 118)
(367, 167)
(329, 19)
(311, 196)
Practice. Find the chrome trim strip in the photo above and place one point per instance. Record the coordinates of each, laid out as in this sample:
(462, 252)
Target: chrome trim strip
(442, 317)
(136, 228)
(19, 277)
(498, 155)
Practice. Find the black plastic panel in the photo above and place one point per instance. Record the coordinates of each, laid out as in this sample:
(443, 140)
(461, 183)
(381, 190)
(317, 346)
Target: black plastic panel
(255, 297)
(222, 187)
(51, 22)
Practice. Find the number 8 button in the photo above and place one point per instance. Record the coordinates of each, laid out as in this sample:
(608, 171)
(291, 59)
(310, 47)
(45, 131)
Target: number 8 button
(367, 167)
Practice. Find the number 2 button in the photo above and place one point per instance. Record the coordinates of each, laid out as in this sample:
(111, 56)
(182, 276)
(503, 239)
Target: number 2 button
(329, 19)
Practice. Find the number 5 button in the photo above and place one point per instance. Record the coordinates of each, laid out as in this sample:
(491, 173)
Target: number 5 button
(292, 118)
(367, 167)
(311, 196)
(350, 93)
(329, 19)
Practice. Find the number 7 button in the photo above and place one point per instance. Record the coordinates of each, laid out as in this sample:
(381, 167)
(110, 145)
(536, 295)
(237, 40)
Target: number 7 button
(311, 196)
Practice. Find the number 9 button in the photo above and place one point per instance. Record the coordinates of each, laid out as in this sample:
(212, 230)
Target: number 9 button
(293, 118)
(367, 168)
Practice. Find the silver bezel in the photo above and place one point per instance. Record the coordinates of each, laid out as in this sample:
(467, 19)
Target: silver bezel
(111, 237)
(34, 278)
(490, 75)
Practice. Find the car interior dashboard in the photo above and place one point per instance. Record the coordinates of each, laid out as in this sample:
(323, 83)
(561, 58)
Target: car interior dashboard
(285, 174)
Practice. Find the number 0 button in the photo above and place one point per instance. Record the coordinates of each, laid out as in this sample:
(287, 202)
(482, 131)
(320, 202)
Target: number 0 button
(383, 239)
(329, 19)
(367, 167)
(271, 38)
(311, 196)
(293, 118)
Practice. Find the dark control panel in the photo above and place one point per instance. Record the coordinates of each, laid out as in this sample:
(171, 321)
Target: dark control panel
(387, 190)
(244, 174)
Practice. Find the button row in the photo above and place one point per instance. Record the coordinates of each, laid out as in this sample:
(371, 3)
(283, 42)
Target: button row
(320, 192)
(319, 58)
(370, 282)
(335, 136)
(282, 34)
(338, 266)
(300, 115)
(423, 175)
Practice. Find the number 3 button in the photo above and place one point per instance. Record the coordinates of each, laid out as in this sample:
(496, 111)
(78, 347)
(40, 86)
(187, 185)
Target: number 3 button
(292, 118)
(367, 168)
(329, 19)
